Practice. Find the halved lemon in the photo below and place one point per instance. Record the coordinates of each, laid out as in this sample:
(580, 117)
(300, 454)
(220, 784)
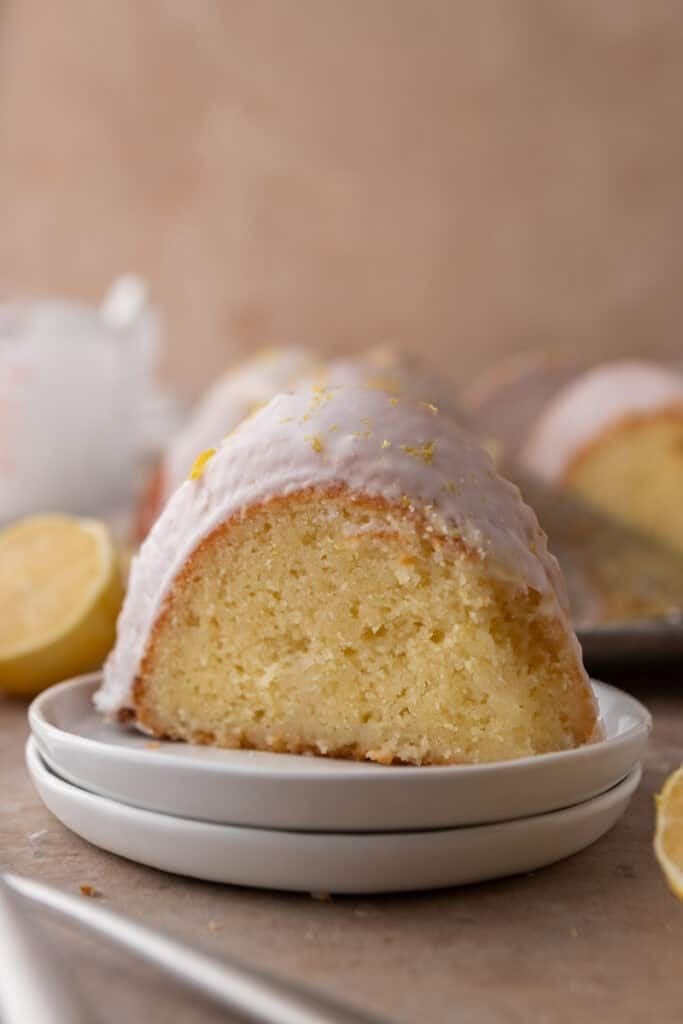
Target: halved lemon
(60, 595)
(669, 834)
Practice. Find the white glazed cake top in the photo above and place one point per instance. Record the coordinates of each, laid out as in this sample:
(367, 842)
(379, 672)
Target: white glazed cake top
(252, 383)
(593, 403)
(373, 443)
(382, 368)
(229, 400)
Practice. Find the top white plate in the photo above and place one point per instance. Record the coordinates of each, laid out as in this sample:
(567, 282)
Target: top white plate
(316, 794)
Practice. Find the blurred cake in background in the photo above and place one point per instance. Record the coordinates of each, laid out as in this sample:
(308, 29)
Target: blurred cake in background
(614, 438)
(510, 393)
(614, 573)
(348, 575)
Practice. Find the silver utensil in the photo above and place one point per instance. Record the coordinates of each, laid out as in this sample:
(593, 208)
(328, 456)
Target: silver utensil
(252, 995)
(33, 985)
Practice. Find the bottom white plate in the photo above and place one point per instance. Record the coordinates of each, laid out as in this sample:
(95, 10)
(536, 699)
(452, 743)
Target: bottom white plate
(329, 862)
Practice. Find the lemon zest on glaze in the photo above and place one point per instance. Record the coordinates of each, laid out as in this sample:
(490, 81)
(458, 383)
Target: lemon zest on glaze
(424, 452)
(200, 463)
(315, 442)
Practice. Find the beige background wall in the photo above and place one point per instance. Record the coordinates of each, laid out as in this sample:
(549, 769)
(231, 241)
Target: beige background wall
(464, 178)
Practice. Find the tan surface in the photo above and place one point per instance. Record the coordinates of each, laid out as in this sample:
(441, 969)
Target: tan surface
(462, 178)
(598, 937)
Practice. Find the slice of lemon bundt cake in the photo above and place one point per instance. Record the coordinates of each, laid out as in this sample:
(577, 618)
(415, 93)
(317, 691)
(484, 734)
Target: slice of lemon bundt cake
(348, 575)
(614, 437)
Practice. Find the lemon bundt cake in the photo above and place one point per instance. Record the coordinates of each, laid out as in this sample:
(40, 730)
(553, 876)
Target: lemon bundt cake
(348, 575)
(614, 437)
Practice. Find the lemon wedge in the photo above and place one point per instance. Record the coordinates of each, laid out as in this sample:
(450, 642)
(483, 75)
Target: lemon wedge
(60, 595)
(669, 834)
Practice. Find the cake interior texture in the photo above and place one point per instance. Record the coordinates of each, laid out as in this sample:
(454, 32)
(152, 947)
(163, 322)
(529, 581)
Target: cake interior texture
(635, 472)
(329, 623)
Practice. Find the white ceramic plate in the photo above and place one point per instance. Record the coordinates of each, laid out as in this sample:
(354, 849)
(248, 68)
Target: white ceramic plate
(328, 862)
(316, 794)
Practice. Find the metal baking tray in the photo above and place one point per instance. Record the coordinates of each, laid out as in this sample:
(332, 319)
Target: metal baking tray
(646, 639)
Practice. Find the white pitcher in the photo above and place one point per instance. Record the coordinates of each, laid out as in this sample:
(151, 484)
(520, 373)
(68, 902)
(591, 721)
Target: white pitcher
(74, 381)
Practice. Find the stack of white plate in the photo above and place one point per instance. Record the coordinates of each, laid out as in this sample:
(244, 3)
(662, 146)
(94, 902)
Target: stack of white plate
(318, 825)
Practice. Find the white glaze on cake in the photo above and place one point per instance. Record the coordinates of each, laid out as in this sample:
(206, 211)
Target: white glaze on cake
(374, 444)
(595, 402)
(249, 385)
(228, 401)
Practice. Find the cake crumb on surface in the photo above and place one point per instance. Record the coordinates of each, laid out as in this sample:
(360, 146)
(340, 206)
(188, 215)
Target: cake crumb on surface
(90, 891)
